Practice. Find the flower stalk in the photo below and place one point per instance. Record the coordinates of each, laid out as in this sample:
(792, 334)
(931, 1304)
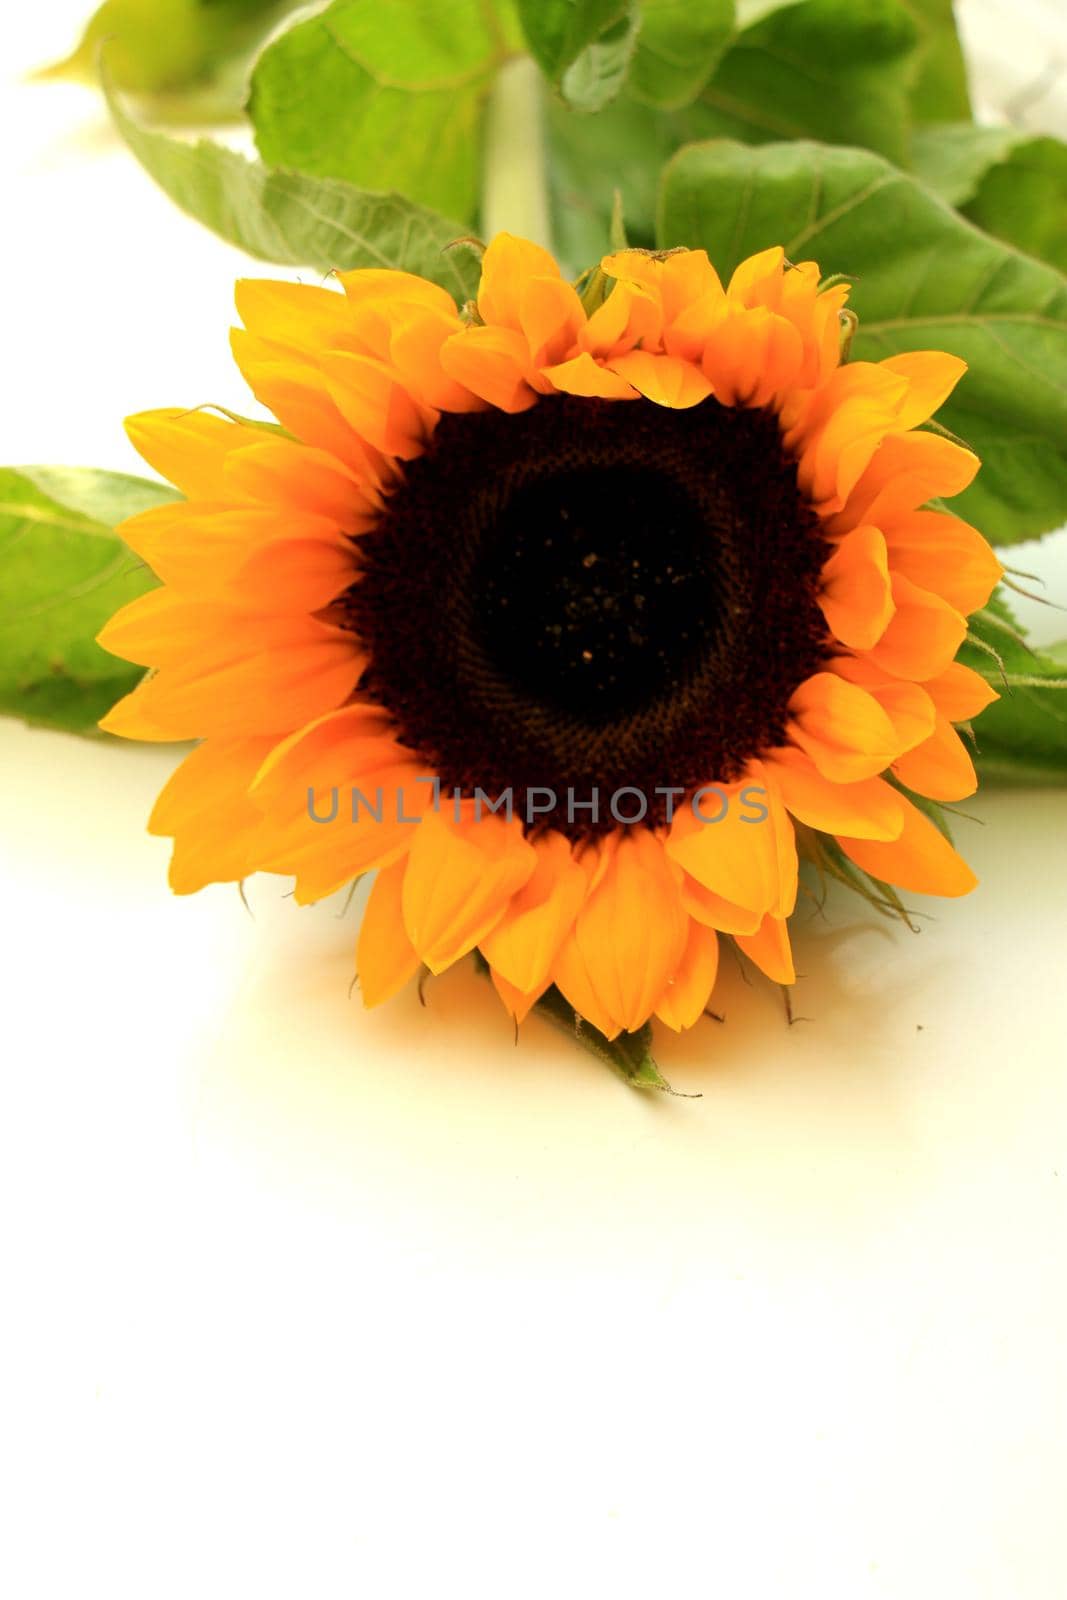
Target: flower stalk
(515, 188)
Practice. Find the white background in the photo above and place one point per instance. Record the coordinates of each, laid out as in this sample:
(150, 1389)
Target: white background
(308, 1301)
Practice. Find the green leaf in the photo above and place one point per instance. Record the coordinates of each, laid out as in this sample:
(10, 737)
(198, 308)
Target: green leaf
(677, 48)
(939, 91)
(1009, 182)
(924, 278)
(1022, 737)
(622, 148)
(833, 69)
(166, 48)
(838, 70)
(63, 572)
(583, 47)
(387, 96)
(295, 220)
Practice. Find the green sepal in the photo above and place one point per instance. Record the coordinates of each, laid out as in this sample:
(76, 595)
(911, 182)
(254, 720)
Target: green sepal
(628, 1054)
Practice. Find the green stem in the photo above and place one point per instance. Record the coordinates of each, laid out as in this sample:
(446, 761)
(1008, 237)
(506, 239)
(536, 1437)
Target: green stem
(514, 186)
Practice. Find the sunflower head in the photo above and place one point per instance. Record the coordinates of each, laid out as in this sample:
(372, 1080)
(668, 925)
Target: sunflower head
(569, 616)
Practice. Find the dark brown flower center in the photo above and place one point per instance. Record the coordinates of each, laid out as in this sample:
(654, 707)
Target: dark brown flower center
(591, 596)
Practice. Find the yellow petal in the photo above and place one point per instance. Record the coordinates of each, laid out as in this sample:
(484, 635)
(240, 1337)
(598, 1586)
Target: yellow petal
(631, 931)
(550, 316)
(493, 363)
(583, 376)
(856, 598)
(748, 856)
(960, 693)
(921, 860)
(388, 285)
(507, 267)
(769, 948)
(304, 316)
(524, 943)
(415, 348)
(932, 375)
(905, 471)
(190, 448)
(459, 880)
(205, 807)
(299, 397)
(713, 911)
(923, 635)
(516, 1003)
(907, 705)
(271, 690)
(940, 768)
(385, 957)
(630, 314)
(284, 474)
(949, 558)
(665, 380)
(370, 397)
(685, 998)
(869, 809)
(842, 728)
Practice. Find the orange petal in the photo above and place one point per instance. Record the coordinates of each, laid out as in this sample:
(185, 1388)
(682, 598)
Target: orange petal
(932, 375)
(376, 404)
(688, 991)
(750, 355)
(298, 395)
(385, 957)
(493, 363)
(388, 285)
(665, 380)
(524, 943)
(517, 1004)
(869, 809)
(630, 314)
(907, 705)
(945, 556)
(200, 548)
(285, 474)
(757, 280)
(748, 856)
(190, 448)
(583, 376)
(856, 598)
(631, 931)
(270, 687)
(459, 880)
(940, 767)
(905, 471)
(317, 828)
(415, 348)
(715, 912)
(551, 316)
(842, 728)
(574, 981)
(507, 267)
(302, 315)
(769, 948)
(959, 693)
(205, 807)
(923, 636)
(921, 860)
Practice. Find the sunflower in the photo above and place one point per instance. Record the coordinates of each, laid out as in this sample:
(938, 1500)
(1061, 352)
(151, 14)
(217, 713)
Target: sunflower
(647, 557)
